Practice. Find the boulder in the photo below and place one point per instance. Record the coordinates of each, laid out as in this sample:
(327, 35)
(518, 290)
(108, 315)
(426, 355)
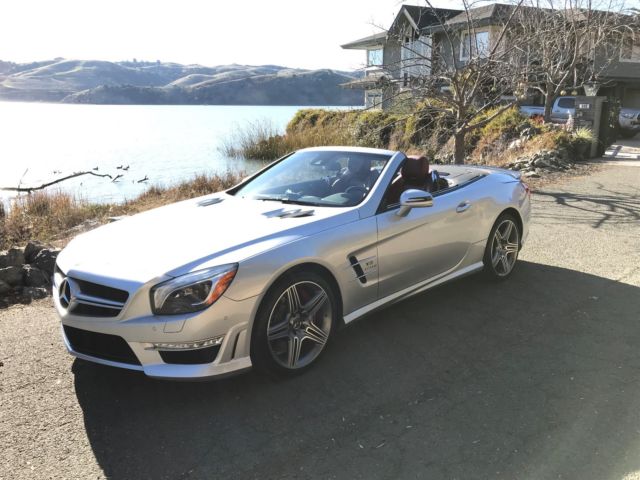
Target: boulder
(34, 277)
(4, 288)
(34, 293)
(31, 250)
(531, 174)
(45, 260)
(11, 275)
(13, 257)
(542, 162)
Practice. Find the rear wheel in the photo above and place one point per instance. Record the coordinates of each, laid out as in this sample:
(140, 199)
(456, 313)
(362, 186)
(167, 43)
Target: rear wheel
(503, 246)
(294, 324)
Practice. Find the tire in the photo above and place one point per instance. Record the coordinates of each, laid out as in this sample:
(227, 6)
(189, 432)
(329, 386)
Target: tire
(501, 255)
(294, 324)
(628, 133)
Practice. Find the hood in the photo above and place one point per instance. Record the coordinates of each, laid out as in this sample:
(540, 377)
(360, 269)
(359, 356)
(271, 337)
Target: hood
(193, 234)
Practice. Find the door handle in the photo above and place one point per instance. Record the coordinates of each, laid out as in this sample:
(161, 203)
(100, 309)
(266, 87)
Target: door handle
(463, 206)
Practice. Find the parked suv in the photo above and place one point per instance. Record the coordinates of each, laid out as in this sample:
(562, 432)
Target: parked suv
(628, 119)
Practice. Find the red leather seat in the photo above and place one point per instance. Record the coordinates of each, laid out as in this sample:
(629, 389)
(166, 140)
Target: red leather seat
(414, 174)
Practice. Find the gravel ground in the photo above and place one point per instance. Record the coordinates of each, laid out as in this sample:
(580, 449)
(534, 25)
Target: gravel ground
(533, 378)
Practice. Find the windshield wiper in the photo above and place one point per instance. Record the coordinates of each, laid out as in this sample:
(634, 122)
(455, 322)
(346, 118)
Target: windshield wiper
(288, 201)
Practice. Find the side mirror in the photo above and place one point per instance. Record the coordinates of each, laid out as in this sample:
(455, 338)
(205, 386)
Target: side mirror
(414, 199)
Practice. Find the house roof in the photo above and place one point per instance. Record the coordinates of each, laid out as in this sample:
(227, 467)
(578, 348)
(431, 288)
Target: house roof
(492, 14)
(419, 17)
(426, 16)
(370, 41)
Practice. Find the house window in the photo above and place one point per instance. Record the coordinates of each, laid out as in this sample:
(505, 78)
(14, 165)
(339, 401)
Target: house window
(415, 56)
(373, 99)
(630, 51)
(474, 44)
(374, 57)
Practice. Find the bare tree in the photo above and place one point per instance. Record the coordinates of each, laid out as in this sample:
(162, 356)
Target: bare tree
(464, 71)
(566, 43)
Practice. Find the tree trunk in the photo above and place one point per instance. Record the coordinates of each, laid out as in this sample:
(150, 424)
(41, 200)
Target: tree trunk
(548, 105)
(458, 140)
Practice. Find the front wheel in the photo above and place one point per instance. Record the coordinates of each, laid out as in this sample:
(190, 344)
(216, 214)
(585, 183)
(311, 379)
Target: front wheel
(294, 324)
(503, 246)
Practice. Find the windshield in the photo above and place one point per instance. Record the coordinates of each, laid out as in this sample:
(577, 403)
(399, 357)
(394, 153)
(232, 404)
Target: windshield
(321, 178)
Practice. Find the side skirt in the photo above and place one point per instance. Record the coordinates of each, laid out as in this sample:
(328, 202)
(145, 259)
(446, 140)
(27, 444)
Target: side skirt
(412, 290)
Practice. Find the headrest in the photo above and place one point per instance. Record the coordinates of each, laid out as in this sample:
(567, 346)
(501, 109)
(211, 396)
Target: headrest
(415, 168)
(359, 165)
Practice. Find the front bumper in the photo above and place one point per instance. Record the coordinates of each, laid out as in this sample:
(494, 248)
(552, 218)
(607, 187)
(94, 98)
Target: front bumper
(227, 318)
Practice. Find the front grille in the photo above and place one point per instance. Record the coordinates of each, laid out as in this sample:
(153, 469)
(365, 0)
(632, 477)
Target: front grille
(89, 299)
(102, 291)
(100, 345)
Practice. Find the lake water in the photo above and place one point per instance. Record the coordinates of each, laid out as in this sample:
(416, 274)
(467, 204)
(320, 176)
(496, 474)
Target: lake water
(165, 143)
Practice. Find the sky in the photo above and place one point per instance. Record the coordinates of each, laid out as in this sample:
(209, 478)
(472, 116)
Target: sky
(302, 33)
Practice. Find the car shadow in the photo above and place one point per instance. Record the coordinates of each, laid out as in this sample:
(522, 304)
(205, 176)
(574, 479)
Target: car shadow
(536, 377)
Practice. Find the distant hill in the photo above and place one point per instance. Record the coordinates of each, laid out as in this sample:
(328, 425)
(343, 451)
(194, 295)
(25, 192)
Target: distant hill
(100, 82)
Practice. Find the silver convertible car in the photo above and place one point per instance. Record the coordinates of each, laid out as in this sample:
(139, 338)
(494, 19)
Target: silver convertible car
(265, 273)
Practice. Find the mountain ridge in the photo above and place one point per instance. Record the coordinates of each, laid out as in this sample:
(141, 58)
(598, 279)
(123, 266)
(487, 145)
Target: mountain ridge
(104, 82)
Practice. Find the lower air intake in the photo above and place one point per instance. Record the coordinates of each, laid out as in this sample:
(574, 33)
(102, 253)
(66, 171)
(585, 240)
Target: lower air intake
(100, 345)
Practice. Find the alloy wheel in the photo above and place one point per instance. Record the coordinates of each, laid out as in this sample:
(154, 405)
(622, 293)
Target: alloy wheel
(299, 325)
(504, 247)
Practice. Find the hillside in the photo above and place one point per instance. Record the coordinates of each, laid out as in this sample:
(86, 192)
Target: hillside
(101, 82)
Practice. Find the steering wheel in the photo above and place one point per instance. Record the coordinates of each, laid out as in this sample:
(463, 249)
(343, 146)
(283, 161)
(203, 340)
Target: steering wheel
(356, 188)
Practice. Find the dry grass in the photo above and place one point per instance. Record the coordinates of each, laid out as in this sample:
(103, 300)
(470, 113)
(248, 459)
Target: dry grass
(261, 140)
(51, 216)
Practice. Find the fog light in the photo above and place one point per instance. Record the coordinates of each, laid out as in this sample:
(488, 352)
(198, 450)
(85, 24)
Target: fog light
(210, 342)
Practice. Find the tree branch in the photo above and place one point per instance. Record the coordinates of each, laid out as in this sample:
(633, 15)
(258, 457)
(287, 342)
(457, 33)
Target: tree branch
(48, 184)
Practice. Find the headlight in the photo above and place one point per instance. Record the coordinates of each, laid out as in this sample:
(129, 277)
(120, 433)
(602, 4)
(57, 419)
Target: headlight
(628, 115)
(192, 292)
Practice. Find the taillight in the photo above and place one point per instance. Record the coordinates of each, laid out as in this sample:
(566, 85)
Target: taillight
(527, 189)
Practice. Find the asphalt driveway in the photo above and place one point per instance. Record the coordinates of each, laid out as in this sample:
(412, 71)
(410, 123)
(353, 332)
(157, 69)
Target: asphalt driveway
(535, 378)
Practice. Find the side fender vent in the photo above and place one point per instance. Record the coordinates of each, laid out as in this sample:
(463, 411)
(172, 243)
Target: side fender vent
(358, 269)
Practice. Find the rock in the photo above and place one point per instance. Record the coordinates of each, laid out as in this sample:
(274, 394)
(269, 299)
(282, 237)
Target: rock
(12, 258)
(31, 250)
(531, 174)
(34, 277)
(34, 293)
(11, 275)
(45, 260)
(515, 144)
(4, 288)
(541, 162)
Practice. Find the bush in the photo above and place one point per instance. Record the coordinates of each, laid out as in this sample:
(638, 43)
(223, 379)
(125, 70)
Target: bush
(258, 140)
(429, 126)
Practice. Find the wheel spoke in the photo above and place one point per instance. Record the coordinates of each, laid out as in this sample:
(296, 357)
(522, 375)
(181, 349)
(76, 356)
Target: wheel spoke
(507, 231)
(505, 263)
(316, 334)
(313, 306)
(511, 247)
(293, 299)
(278, 331)
(495, 259)
(295, 347)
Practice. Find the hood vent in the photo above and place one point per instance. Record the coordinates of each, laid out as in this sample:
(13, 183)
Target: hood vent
(289, 213)
(209, 201)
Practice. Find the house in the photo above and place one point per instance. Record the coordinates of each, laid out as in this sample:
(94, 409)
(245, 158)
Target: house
(391, 55)
(421, 38)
